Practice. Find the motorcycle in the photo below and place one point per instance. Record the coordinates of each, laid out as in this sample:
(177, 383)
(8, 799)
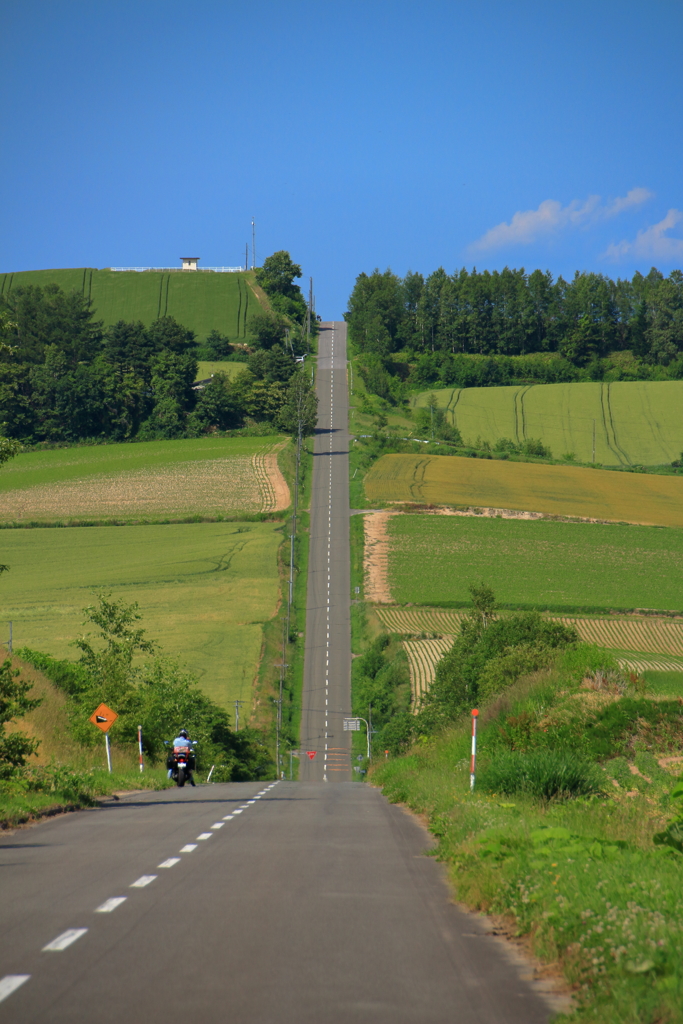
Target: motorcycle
(181, 763)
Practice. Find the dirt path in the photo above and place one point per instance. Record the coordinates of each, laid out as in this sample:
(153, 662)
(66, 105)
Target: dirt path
(376, 557)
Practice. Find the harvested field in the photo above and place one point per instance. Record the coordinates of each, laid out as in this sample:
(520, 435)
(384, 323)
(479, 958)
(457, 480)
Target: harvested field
(423, 657)
(636, 422)
(636, 664)
(649, 635)
(554, 490)
(420, 620)
(154, 479)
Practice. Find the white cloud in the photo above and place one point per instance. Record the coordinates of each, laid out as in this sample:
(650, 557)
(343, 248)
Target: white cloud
(633, 198)
(551, 216)
(652, 242)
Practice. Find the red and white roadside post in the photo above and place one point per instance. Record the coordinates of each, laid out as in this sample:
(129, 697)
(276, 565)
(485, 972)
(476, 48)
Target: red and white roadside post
(473, 757)
(142, 764)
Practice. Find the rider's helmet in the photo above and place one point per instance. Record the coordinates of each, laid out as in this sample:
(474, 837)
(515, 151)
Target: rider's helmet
(183, 733)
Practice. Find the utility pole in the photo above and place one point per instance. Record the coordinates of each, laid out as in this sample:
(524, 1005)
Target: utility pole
(246, 256)
(308, 314)
(253, 243)
(237, 714)
(593, 440)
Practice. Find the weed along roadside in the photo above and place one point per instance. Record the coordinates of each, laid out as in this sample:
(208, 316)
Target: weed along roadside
(572, 833)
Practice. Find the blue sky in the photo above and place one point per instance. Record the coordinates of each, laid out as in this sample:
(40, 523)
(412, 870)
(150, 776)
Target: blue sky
(358, 134)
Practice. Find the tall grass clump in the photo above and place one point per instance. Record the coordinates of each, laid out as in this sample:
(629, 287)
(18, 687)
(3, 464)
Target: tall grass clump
(544, 774)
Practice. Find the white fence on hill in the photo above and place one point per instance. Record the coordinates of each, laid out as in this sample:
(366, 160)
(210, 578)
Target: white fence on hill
(180, 270)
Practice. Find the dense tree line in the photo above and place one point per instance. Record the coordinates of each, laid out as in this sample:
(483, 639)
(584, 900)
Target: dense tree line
(474, 328)
(64, 378)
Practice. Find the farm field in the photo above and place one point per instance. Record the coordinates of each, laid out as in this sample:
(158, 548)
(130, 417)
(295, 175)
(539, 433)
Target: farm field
(204, 591)
(146, 479)
(207, 369)
(201, 301)
(636, 422)
(647, 634)
(561, 567)
(424, 656)
(525, 486)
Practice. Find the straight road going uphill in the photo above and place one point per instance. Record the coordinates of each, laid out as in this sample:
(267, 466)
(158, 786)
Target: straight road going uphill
(327, 664)
(257, 903)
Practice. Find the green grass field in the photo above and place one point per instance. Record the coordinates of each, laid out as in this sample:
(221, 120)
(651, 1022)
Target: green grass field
(208, 475)
(560, 566)
(202, 302)
(204, 590)
(207, 369)
(636, 423)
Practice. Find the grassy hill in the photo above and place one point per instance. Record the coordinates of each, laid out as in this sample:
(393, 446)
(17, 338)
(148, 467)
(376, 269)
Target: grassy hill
(636, 423)
(201, 301)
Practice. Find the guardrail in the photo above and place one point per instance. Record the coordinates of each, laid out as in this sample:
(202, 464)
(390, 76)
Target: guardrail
(182, 270)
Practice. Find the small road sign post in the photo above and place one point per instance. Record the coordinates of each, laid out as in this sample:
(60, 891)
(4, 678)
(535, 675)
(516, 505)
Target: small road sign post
(353, 725)
(103, 717)
(142, 763)
(473, 757)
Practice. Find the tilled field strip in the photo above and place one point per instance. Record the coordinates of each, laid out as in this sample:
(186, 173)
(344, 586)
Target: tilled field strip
(651, 635)
(650, 664)
(423, 656)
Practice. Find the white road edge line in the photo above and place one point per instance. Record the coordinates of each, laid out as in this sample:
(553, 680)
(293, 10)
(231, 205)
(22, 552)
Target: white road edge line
(142, 881)
(109, 905)
(64, 940)
(188, 848)
(10, 983)
(169, 863)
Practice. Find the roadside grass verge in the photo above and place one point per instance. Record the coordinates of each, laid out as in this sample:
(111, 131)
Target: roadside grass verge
(40, 792)
(557, 839)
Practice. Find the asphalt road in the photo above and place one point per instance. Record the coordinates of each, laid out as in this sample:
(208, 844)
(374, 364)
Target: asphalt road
(279, 903)
(314, 905)
(327, 664)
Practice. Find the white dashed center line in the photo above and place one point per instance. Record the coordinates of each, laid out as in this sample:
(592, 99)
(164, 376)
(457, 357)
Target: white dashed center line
(142, 881)
(188, 848)
(63, 941)
(10, 983)
(169, 863)
(204, 835)
(112, 904)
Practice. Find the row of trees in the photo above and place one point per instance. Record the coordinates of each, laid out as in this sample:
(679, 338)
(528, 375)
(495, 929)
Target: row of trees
(514, 313)
(63, 378)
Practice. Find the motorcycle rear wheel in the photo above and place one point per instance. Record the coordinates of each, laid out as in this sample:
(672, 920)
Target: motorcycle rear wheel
(181, 777)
